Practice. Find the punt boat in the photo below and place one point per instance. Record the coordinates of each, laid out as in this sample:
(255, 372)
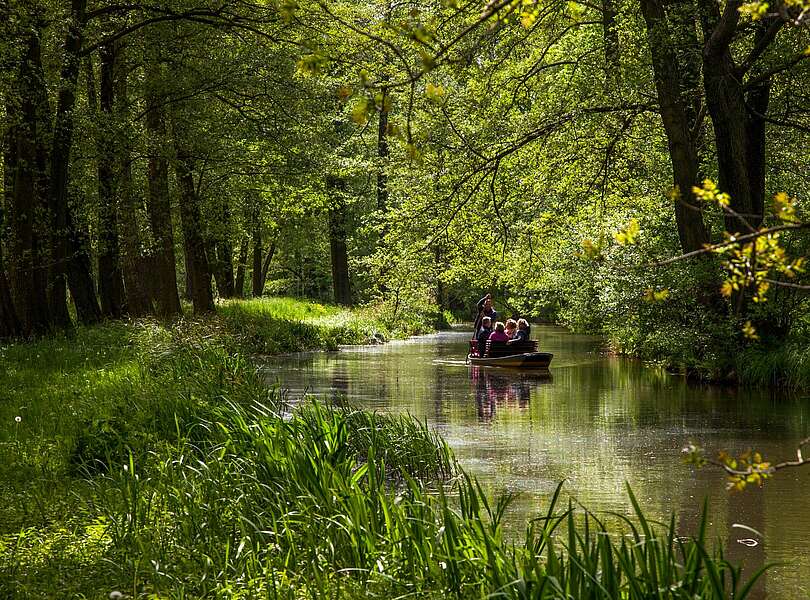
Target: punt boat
(500, 354)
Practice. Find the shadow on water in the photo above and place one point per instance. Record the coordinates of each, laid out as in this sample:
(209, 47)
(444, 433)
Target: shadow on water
(599, 421)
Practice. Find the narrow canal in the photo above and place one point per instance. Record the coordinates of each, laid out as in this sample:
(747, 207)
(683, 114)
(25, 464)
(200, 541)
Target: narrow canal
(597, 422)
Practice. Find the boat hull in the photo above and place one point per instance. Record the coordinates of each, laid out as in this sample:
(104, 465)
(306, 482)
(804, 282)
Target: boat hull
(526, 360)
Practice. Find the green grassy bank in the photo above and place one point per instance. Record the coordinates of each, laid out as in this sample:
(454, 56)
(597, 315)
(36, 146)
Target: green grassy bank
(277, 325)
(153, 461)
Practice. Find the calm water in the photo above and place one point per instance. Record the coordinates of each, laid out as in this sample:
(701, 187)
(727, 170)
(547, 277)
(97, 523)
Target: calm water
(597, 422)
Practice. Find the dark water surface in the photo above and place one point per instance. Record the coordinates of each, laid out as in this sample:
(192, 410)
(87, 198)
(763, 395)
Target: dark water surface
(598, 422)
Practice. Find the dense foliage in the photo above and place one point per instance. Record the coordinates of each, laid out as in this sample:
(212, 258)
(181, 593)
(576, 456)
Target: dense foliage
(412, 155)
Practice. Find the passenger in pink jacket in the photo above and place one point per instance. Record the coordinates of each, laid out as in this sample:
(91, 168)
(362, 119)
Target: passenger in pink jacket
(499, 335)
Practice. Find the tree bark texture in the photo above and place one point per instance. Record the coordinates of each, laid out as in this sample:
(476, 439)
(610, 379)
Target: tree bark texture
(610, 35)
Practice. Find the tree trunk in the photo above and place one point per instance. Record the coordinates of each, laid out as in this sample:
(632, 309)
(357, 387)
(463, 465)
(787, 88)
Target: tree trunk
(739, 125)
(110, 280)
(239, 285)
(10, 326)
(341, 284)
(610, 35)
(201, 296)
(268, 258)
(726, 103)
(167, 299)
(258, 281)
(138, 298)
(71, 256)
(25, 183)
(187, 263)
(692, 231)
(221, 251)
(382, 153)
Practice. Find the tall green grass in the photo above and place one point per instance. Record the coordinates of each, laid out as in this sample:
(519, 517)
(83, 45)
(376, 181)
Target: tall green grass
(295, 508)
(786, 365)
(184, 476)
(277, 325)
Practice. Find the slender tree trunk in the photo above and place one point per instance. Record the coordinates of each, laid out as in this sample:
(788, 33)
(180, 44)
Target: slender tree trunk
(167, 299)
(341, 284)
(138, 297)
(239, 284)
(268, 258)
(201, 295)
(10, 326)
(71, 255)
(688, 215)
(382, 153)
(110, 279)
(187, 263)
(258, 281)
(221, 253)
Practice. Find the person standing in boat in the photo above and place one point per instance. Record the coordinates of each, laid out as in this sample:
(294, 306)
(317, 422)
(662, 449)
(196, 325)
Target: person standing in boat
(483, 336)
(484, 310)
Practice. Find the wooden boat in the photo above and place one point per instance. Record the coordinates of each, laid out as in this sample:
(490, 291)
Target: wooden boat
(515, 356)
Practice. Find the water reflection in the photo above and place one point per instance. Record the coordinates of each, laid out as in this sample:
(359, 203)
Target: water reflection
(598, 422)
(498, 389)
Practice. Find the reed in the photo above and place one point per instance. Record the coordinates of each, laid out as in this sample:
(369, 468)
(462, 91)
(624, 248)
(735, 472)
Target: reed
(786, 365)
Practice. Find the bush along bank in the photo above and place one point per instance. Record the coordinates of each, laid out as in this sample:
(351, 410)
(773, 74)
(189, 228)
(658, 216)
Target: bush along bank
(174, 476)
(720, 355)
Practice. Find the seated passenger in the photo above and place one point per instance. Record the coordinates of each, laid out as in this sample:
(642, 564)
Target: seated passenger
(511, 328)
(483, 335)
(499, 335)
(522, 333)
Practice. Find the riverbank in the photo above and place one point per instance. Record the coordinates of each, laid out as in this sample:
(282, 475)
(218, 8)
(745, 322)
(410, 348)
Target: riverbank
(281, 325)
(718, 356)
(151, 460)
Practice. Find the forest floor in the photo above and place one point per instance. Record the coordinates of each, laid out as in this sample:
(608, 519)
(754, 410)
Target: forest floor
(146, 460)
